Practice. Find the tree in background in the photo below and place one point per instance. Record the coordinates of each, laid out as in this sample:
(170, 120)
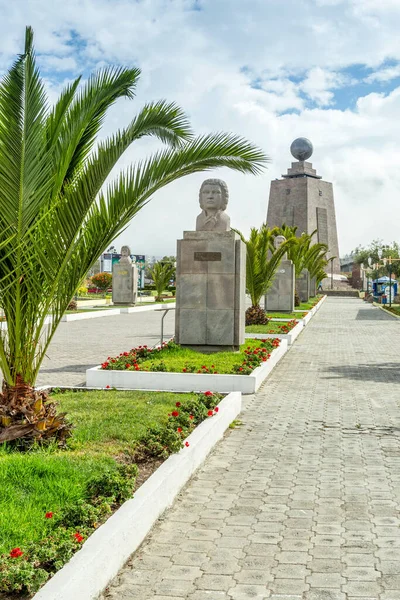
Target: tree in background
(262, 262)
(362, 253)
(58, 214)
(161, 273)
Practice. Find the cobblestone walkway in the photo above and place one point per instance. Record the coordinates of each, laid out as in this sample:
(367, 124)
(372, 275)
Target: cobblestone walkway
(302, 500)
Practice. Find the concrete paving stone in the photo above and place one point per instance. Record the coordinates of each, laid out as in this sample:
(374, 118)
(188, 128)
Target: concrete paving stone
(362, 588)
(257, 562)
(324, 594)
(153, 563)
(291, 571)
(391, 582)
(221, 567)
(361, 573)
(325, 565)
(196, 546)
(189, 559)
(231, 542)
(184, 572)
(202, 535)
(215, 582)
(248, 592)
(288, 586)
(206, 595)
(326, 529)
(325, 580)
(296, 545)
(299, 558)
(171, 587)
(255, 549)
(389, 567)
(253, 576)
(298, 534)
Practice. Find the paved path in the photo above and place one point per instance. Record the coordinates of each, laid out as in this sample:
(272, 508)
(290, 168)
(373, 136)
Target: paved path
(79, 345)
(302, 501)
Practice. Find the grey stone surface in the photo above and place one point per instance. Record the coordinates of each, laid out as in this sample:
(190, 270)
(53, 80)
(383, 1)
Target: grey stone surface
(124, 280)
(303, 285)
(280, 296)
(211, 295)
(301, 198)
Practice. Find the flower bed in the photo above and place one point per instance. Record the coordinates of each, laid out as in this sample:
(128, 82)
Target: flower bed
(273, 327)
(170, 357)
(52, 500)
(172, 367)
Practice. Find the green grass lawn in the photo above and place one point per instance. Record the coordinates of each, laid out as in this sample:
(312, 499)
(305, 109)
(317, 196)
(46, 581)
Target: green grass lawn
(288, 316)
(271, 327)
(177, 358)
(108, 424)
(395, 309)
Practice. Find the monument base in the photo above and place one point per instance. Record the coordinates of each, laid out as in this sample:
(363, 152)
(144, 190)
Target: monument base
(124, 284)
(210, 291)
(280, 297)
(303, 285)
(212, 349)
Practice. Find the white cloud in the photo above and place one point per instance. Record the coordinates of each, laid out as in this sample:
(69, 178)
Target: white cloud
(386, 74)
(319, 83)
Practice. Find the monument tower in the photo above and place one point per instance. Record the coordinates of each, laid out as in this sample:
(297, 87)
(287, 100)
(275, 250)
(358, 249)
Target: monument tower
(303, 200)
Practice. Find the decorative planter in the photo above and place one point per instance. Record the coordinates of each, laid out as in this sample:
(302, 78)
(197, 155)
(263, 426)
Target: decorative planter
(90, 570)
(185, 382)
(290, 337)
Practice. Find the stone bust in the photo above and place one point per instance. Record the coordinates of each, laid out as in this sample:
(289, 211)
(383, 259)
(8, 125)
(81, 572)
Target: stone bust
(125, 256)
(278, 241)
(213, 198)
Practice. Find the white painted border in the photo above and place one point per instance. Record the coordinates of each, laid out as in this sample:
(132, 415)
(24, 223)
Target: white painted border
(290, 337)
(185, 382)
(90, 570)
(111, 312)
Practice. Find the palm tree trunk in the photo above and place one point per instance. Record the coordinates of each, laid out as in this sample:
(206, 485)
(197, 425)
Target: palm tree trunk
(27, 414)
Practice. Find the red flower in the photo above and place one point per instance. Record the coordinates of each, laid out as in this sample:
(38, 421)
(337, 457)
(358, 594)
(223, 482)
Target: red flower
(107, 387)
(216, 409)
(78, 537)
(175, 413)
(16, 552)
(210, 413)
(127, 365)
(191, 417)
(48, 515)
(208, 393)
(178, 404)
(179, 430)
(187, 444)
(183, 370)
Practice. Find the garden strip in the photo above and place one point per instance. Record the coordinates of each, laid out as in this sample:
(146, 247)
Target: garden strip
(290, 336)
(174, 368)
(109, 547)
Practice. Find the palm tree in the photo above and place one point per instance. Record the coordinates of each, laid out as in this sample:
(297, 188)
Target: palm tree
(161, 273)
(61, 216)
(262, 262)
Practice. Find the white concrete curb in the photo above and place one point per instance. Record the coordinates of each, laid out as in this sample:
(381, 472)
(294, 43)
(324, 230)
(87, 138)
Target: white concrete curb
(185, 382)
(290, 337)
(111, 312)
(109, 547)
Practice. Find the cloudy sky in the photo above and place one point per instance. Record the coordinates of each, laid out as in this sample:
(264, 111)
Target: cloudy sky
(270, 70)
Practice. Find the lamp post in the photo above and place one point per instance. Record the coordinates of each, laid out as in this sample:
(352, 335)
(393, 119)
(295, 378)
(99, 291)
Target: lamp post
(332, 259)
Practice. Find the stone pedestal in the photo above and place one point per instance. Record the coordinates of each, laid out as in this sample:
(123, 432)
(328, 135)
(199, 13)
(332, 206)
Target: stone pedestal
(124, 283)
(303, 285)
(280, 296)
(313, 287)
(210, 291)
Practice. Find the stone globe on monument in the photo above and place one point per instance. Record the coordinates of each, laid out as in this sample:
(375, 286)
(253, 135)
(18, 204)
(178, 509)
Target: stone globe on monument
(304, 200)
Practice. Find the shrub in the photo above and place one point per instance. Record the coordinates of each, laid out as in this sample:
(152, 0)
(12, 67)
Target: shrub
(102, 281)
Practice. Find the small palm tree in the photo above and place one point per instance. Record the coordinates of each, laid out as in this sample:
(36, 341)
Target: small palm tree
(57, 215)
(262, 262)
(161, 273)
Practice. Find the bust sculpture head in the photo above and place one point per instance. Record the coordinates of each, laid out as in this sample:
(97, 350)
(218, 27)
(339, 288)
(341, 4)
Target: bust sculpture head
(279, 240)
(125, 255)
(213, 198)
